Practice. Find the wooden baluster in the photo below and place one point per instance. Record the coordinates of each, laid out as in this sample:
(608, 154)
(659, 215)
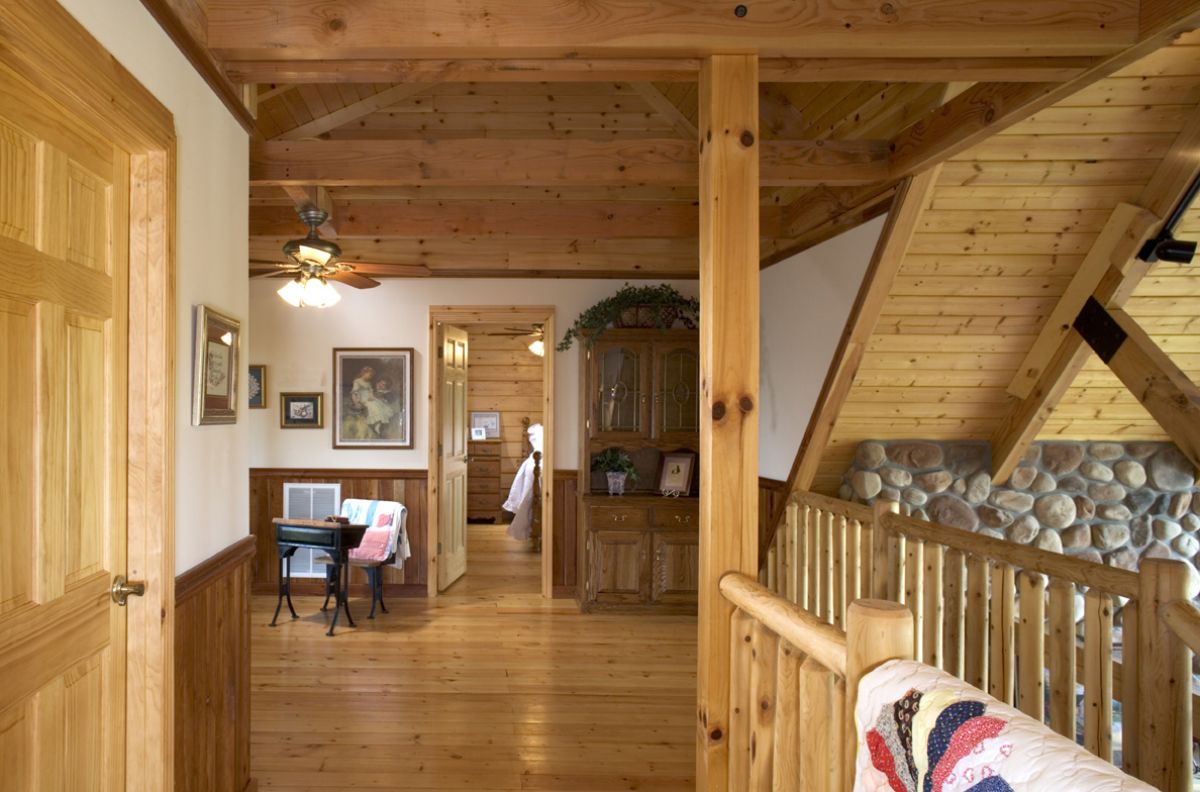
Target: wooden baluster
(1061, 651)
(1164, 663)
(764, 653)
(934, 606)
(876, 631)
(793, 557)
(827, 567)
(854, 563)
(1031, 656)
(914, 591)
(740, 708)
(772, 568)
(817, 699)
(786, 767)
(976, 638)
(956, 613)
(780, 558)
(1002, 638)
(1131, 710)
(882, 568)
(1097, 674)
(814, 563)
(803, 554)
(867, 560)
(838, 598)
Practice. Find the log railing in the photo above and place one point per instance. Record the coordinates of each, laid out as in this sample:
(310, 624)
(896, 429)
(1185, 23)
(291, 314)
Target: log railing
(1002, 617)
(794, 684)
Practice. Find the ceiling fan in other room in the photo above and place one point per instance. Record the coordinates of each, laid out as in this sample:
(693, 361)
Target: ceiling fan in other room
(312, 262)
(538, 333)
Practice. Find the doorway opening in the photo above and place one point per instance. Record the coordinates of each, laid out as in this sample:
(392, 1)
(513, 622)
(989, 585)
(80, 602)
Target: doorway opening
(485, 374)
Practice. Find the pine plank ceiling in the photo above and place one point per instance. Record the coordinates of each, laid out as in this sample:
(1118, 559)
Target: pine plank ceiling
(1004, 233)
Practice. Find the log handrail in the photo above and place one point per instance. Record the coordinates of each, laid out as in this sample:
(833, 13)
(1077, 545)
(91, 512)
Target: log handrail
(1184, 619)
(1121, 582)
(823, 642)
(851, 511)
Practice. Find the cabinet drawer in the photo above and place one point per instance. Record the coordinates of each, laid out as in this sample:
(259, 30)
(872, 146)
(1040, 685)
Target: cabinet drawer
(485, 450)
(484, 467)
(680, 517)
(617, 518)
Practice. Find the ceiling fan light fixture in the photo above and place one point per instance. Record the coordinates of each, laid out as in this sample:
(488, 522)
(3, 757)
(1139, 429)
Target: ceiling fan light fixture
(309, 292)
(538, 347)
(312, 250)
(292, 293)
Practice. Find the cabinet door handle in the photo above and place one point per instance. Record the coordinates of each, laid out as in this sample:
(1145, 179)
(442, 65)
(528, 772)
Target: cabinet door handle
(683, 518)
(619, 517)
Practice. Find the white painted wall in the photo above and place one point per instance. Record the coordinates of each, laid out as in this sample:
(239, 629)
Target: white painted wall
(805, 302)
(211, 493)
(296, 345)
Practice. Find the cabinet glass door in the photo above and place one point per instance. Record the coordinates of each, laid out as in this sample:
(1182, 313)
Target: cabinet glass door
(621, 389)
(678, 397)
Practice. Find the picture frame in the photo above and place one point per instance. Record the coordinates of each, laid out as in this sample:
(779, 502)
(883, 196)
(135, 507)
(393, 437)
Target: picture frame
(218, 339)
(478, 433)
(302, 411)
(256, 386)
(675, 478)
(488, 421)
(373, 397)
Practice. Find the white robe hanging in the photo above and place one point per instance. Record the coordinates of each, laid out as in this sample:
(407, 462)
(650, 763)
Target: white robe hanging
(520, 497)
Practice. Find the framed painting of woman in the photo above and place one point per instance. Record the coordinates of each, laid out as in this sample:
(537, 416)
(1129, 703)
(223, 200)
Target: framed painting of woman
(372, 398)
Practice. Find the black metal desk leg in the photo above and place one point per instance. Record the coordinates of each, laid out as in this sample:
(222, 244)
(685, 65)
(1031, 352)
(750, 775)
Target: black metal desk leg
(346, 595)
(285, 583)
(337, 576)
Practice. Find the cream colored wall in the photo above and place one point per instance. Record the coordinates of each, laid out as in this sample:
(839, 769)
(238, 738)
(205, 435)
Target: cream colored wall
(805, 301)
(296, 345)
(211, 494)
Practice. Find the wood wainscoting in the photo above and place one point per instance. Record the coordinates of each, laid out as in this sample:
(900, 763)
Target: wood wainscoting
(406, 486)
(212, 672)
(566, 533)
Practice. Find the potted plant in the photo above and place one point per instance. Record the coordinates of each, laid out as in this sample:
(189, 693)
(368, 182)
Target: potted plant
(617, 465)
(634, 306)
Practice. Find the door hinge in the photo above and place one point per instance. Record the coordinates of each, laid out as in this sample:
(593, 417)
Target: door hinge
(439, 449)
(441, 351)
(439, 548)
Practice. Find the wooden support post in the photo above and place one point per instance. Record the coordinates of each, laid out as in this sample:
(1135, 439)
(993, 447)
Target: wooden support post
(1165, 679)
(1152, 377)
(729, 199)
(876, 631)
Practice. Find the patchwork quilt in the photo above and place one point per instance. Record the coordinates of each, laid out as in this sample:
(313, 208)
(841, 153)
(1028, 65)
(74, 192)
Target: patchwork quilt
(385, 521)
(922, 730)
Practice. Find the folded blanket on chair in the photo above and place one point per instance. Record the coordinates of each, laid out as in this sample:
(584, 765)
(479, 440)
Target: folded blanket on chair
(922, 730)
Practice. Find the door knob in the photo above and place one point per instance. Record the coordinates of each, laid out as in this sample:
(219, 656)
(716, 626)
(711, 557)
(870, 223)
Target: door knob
(123, 589)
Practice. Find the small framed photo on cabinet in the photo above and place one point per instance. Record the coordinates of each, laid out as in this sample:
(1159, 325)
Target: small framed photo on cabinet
(676, 476)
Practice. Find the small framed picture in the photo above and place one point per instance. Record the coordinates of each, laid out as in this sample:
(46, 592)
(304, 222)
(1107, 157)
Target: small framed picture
(214, 381)
(676, 476)
(256, 386)
(301, 410)
(489, 422)
(478, 433)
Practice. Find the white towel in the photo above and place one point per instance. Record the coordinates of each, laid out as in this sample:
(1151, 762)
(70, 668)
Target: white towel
(520, 496)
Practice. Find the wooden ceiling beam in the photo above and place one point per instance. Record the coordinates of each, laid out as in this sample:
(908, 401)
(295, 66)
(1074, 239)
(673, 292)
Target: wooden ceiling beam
(661, 162)
(988, 108)
(912, 198)
(1150, 375)
(304, 197)
(338, 29)
(667, 109)
(587, 219)
(824, 213)
(352, 112)
(1167, 186)
(771, 70)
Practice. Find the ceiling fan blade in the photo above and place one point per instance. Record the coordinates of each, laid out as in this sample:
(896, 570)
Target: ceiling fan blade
(354, 280)
(389, 270)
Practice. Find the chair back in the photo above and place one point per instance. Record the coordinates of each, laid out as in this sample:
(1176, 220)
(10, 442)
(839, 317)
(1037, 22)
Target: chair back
(385, 525)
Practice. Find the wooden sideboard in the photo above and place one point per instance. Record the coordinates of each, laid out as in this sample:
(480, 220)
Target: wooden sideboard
(639, 550)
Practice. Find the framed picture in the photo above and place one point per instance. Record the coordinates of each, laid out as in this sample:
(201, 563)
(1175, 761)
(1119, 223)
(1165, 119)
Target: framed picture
(301, 410)
(489, 422)
(478, 433)
(676, 476)
(214, 378)
(373, 398)
(256, 386)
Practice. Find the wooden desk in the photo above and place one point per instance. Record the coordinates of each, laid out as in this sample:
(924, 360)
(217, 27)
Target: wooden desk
(335, 538)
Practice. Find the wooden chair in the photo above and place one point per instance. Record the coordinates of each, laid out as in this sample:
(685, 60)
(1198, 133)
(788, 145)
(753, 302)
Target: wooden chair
(385, 542)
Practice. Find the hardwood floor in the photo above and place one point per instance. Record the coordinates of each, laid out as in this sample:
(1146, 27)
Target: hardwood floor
(488, 688)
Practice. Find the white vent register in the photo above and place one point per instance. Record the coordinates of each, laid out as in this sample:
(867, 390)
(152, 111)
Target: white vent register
(310, 502)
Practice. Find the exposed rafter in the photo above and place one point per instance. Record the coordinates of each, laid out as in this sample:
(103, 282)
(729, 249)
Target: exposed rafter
(352, 112)
(310, 196)
(667, 109)
(910, 202)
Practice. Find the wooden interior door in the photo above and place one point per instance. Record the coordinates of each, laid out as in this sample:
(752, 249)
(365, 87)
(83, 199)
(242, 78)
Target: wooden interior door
(452, 456)
(64, 234)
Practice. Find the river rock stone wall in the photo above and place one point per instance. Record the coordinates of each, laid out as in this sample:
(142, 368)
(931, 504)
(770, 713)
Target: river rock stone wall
(1112, 503)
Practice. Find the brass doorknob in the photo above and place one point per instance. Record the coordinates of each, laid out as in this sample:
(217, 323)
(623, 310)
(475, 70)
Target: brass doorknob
(123, 589)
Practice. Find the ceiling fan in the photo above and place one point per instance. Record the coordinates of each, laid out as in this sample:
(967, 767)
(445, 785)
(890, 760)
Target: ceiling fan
(537, 332)
(312, 263)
